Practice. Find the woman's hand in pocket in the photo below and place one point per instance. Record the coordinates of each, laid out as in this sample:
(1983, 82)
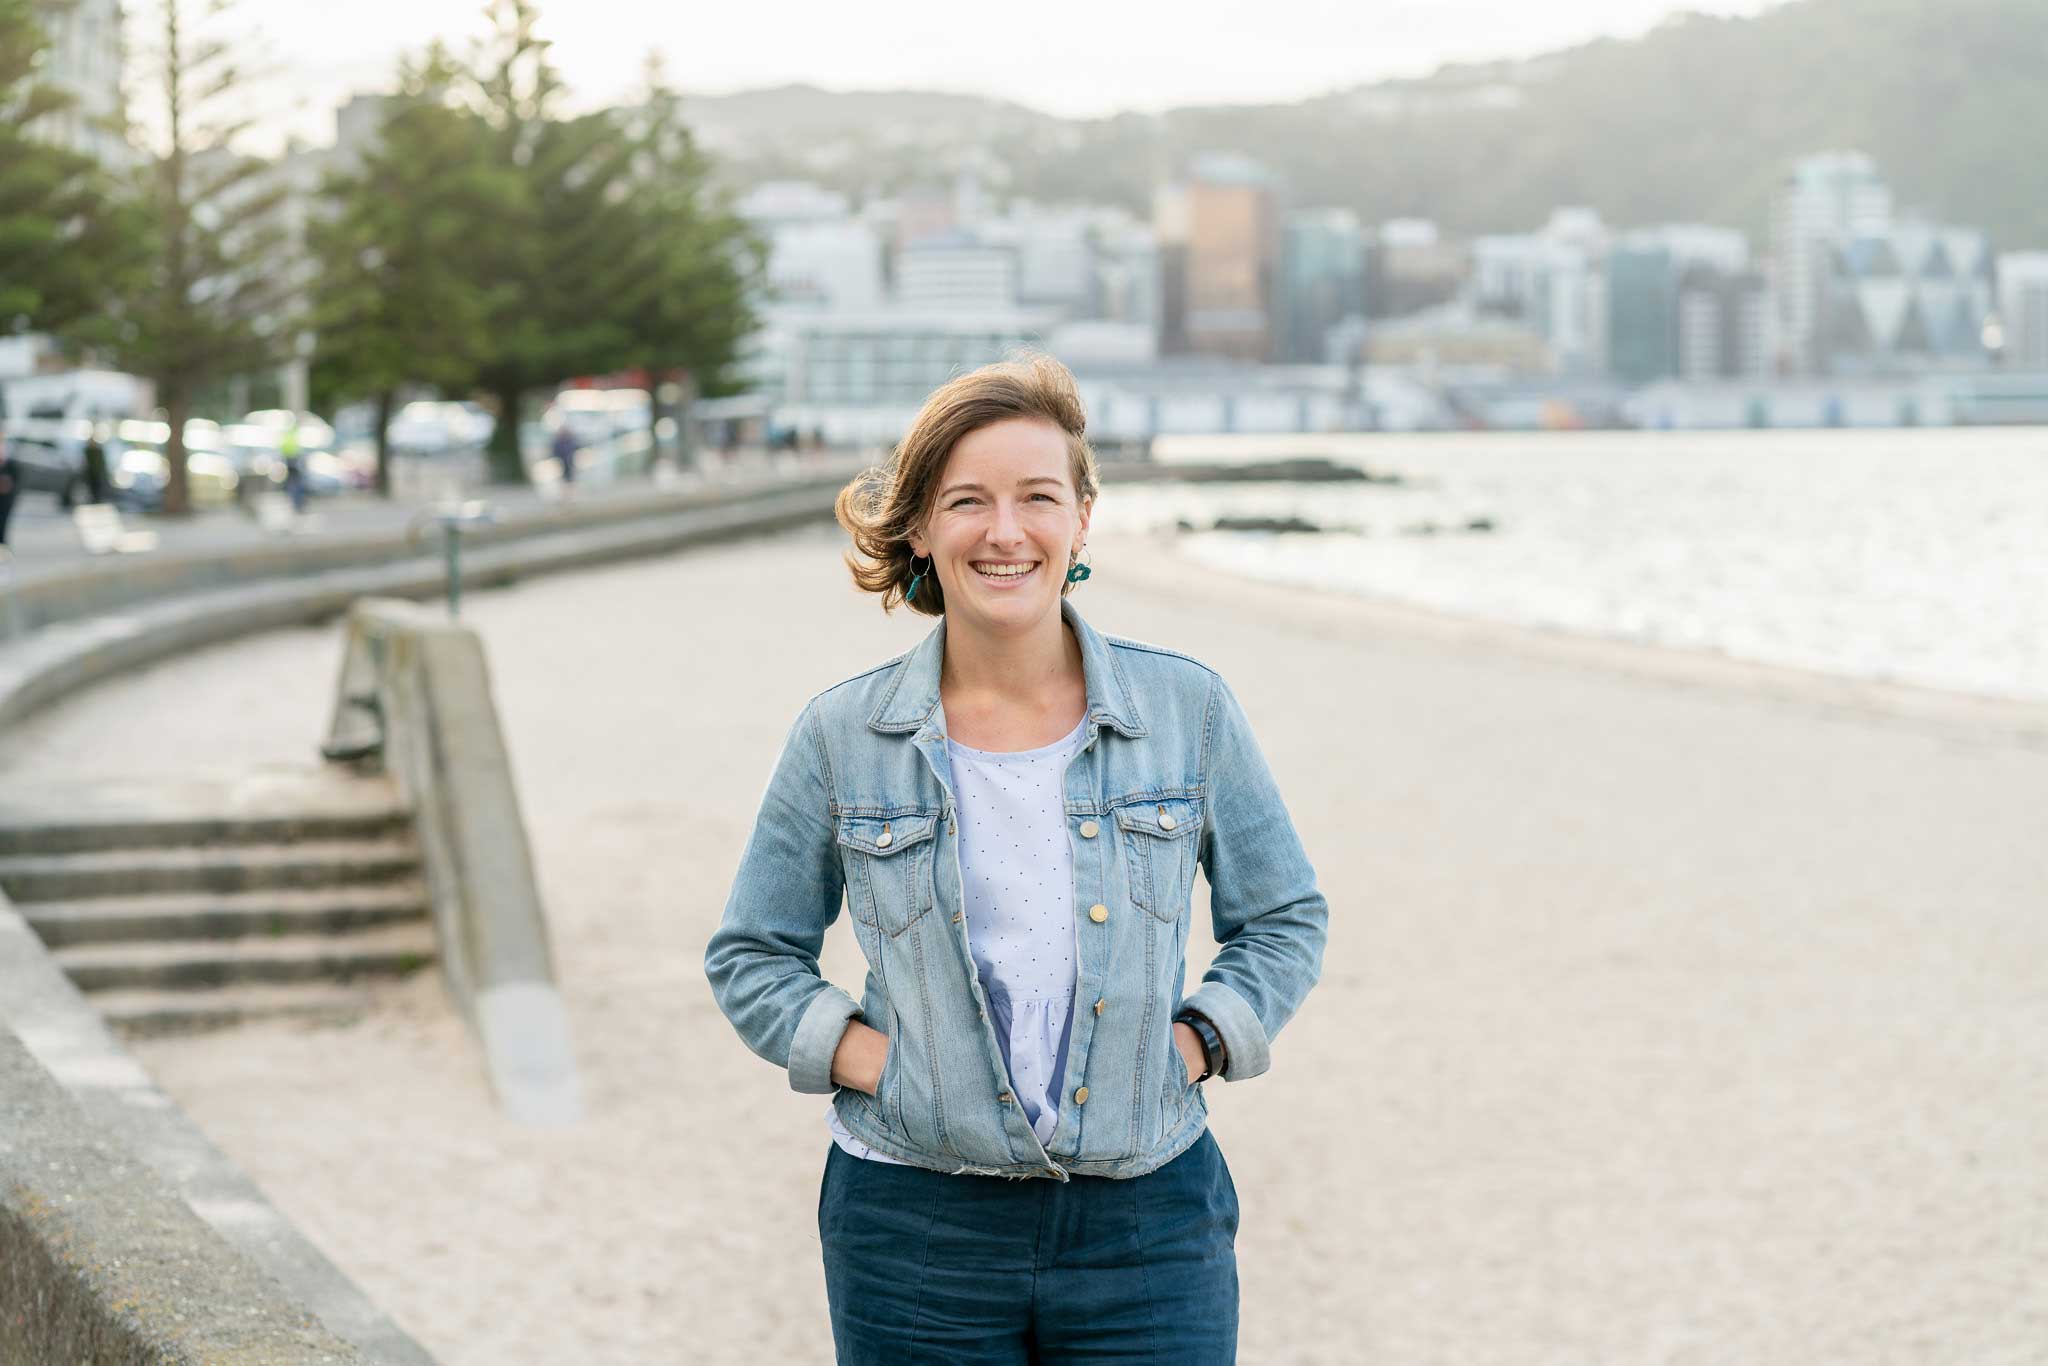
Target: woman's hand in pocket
(1190, 1045)
(857, 1062)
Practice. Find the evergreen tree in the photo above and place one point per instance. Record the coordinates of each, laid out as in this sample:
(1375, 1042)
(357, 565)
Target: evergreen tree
(617, 255)
(67, 238)
(398, 298)
(696, 264)
(218, 292)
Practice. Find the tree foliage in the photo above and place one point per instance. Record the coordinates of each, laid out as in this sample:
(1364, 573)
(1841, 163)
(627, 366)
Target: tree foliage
(398, 298)
(68, 241)
(219, 293)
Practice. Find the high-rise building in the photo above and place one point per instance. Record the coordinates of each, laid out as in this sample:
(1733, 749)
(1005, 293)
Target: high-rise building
(1323, 280)
(1825, 198)
(1642, 311)
(2023, 308)
(1232, 242)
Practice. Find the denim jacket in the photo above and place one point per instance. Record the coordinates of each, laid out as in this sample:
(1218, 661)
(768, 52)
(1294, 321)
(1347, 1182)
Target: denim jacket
(860, 805)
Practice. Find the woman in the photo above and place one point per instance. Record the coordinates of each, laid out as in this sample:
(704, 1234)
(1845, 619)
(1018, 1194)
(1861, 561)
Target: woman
(1013, 813)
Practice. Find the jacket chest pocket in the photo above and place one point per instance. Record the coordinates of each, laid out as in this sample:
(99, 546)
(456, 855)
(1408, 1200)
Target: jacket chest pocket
(1159, 842)
(888, 864)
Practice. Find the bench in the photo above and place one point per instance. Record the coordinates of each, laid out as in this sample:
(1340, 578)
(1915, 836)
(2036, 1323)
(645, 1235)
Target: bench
(101, 533)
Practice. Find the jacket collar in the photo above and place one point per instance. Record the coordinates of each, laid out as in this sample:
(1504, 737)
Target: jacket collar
(912, 695)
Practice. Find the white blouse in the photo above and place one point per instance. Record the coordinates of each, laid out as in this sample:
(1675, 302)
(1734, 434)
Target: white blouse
(1018, 876)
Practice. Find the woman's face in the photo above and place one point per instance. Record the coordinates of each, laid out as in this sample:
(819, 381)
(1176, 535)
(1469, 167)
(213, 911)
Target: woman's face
(1004, 525)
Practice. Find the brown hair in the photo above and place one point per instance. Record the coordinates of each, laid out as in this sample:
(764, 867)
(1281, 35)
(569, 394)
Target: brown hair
(885, 505)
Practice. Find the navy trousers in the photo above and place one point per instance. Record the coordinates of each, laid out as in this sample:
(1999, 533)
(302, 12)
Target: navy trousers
(923, 1266)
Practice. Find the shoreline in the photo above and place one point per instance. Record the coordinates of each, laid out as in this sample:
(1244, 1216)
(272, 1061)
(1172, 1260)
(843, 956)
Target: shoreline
(1161, 567)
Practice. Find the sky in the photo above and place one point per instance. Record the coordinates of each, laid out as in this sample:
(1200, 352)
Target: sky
(1069, 57)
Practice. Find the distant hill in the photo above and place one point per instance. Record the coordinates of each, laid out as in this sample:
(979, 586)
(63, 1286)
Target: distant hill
(1696, 120)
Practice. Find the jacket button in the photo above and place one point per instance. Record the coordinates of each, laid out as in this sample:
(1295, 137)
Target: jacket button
(1098, 913)
(1166, 822)
(1004, 1097)
(1081, 1095)
(1099, 1005)
(884, 840)
(1088, 829)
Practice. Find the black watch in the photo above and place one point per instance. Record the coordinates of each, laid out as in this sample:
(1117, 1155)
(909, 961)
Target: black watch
(1212, 1042)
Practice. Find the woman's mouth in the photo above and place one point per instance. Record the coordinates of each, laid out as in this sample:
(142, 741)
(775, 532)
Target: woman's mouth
(1004, 574)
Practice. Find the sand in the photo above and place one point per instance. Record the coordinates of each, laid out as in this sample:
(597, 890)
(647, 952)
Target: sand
(1674, 1012)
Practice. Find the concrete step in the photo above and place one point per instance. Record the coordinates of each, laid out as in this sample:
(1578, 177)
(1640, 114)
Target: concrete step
(53, 837)
(274, 804)
(217, 868)
(171, 964)
(269, 912)
(145, 1014)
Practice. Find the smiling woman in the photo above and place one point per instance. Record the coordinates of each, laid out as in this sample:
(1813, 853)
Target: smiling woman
(1013, 812)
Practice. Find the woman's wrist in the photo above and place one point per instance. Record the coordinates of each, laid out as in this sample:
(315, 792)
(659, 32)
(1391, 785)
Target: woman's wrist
(857, 1062)
(1208, 1058)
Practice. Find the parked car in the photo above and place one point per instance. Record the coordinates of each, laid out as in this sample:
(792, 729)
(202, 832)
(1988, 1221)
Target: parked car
(47, 452)
(139, 470)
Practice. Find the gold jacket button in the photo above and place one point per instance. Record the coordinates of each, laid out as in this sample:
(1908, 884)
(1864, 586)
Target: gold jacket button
(1081, 1096)
(884, 840)
(1004, 1097)
(1098, 913)
(1088, 829)
(1099, 1005)
(1167, 822)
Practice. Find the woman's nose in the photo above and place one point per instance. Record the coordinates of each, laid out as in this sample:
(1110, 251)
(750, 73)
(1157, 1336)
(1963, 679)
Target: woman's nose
(1007, 527)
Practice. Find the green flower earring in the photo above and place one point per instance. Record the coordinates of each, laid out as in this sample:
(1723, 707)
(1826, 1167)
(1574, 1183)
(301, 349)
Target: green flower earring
(917, 576)
(1076, 571)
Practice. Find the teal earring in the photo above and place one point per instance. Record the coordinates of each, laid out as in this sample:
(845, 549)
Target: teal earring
(1077, 571)
(916, 575)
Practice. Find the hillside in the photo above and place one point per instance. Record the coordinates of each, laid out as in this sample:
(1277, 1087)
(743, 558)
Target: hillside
(1695, 120)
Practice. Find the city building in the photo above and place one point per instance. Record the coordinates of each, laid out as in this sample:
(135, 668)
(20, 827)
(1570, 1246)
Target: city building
(1554, 282)
(1322, 281)
(956, 271)
(1411, 267)
(1456, 334)
(1825, 198)
(819, 255)
(85, 60)
(1227, 220)
(2023, 309)
(1642, 311)
(1904, 298)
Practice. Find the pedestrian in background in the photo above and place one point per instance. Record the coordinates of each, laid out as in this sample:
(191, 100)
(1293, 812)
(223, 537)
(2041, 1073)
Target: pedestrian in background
(6, 488)
(565, 452)
(289, 447)
(94, 464)
(1020, 1168)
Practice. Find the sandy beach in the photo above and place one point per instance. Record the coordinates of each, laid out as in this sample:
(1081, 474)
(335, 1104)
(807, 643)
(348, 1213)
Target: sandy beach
(1674, 1011)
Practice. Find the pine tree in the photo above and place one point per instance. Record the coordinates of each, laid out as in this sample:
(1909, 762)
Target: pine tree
(398, 298)
(68, 239)
(219, 291)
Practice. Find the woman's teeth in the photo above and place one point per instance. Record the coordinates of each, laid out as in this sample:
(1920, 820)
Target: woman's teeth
(1006, 571)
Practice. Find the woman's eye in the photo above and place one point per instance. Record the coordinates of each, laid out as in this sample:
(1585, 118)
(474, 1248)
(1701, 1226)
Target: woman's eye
(962, 502)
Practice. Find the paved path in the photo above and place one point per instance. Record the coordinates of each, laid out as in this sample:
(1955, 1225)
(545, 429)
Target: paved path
(1662, 1023)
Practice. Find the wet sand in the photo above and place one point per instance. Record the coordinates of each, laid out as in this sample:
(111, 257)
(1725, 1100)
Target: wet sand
(1674, 1012)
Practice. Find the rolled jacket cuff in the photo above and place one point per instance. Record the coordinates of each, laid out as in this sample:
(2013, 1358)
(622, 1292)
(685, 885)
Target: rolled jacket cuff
(817, 1039)
(1247, 1051)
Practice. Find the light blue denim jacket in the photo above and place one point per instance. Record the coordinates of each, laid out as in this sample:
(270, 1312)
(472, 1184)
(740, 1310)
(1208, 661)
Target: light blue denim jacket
(860, 805)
